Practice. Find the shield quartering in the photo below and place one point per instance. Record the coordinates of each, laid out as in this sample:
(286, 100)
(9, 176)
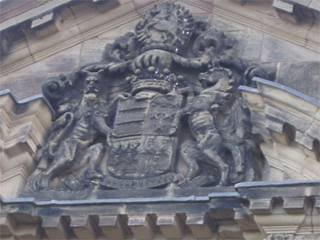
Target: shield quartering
(142, 145)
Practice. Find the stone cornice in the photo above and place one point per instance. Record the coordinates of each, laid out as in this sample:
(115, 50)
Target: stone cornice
(269, 22)
(119, 218)
(288, 121)
(34, 13)
(268, 205)
(24, 127)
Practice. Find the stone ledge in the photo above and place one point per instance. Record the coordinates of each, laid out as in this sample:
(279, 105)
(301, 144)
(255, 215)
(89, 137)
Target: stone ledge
(295, 197)
(25, 126)
(285, 116)
(167, 217)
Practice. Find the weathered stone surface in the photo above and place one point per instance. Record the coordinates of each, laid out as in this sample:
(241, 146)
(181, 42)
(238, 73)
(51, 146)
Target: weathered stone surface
(227, 26)
(57, 228)
(92, 51)
(23, 129)
(143, 227)
(293, 123)
(251, 51)
(85, 227)
(24, 86)
(114, 227)
(200, 226)
(277, 50)
(302, 76)
(171, 226)
(60, 62)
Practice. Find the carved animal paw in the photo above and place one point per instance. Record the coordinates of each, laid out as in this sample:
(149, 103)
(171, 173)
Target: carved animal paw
(41, 182)
(172, 131)
(124, 95)
(222, 183)
(239, 169)
(94, 175)
(183, 182)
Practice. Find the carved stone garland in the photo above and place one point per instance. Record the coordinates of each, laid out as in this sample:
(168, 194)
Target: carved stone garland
(161, 109)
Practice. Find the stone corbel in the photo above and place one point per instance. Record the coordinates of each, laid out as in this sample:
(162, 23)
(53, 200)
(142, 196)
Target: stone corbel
(171, 226)
(45, 24)
(85, 227)
(200, 225)
(114, 227)
(56, 228)
(278, 222)
(317, 204)
(24, 126)
(142, 227)
(286, 11)
(13, 228)
(103, 5)
(4, 45)
(8, 38)
(242, 2)
(289, 208)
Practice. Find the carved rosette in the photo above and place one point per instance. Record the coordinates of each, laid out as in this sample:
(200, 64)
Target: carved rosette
(162, 108)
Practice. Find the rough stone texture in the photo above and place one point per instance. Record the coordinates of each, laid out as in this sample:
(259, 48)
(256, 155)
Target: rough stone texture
(302, 76)
(288, 116)
(64, 61)
(27, 82)
(24, 86)
(253, 47)
(277, 50)
(92, 50)
(23, 129)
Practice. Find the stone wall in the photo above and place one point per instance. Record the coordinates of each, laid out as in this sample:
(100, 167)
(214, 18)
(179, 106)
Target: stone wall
(24, 126)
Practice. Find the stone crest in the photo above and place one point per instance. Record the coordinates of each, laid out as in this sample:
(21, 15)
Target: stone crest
(161, 109)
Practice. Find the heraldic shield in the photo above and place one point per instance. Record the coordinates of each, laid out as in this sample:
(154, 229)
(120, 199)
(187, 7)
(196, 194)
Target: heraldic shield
(142, 148)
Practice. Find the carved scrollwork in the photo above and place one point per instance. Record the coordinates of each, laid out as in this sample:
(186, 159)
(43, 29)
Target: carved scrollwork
(166, 26)
(123, 49)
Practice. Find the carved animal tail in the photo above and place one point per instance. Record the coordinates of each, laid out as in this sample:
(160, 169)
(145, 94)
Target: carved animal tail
(236, 122)
(54, 142)
(233, 131)
(61, 135)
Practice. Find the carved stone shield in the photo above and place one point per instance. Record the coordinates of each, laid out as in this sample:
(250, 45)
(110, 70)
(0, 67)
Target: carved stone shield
(141, 145)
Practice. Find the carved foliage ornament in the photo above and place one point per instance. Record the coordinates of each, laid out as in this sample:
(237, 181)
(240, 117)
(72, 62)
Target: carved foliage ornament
(161, 109)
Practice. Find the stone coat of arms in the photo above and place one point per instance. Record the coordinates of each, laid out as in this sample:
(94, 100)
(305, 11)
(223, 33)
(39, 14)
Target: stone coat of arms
(161, 109)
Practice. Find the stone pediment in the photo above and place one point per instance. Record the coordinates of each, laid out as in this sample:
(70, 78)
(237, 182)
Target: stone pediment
(178, 128)
(160, 96)
(162, 110)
